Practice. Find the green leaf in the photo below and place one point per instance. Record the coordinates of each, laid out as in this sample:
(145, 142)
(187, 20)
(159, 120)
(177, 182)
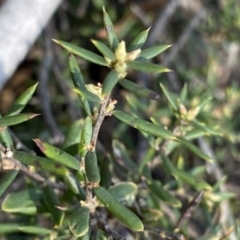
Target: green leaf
(9, 227)
(6, 179)
(34, 230)
(87, 95)
(170, 97)
(74, 134)
(78, 82)
(5, 137)
(139, 90)
(195, 149)
(74, 186)
(157, 188)
(151, 215)
(184, 93)
(79, 221)
(57, 154)
(109, 82)
(40, 163)
(86, 136)
(124, 191)
(91, 168)
(52, 202)
(22, 101)
(111, 35)
(142, 125)
(16, 119)
(204, 128)
(81, 52)
(152, 52)
(138, 41)
(118, 210)
(147, 67)
(104, 49)
(22, 201)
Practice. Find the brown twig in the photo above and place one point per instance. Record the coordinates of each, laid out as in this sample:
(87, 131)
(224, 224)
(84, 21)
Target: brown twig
(101, 116)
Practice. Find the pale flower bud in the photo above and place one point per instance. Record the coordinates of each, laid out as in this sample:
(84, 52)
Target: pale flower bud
(120, 52)
(133, 55)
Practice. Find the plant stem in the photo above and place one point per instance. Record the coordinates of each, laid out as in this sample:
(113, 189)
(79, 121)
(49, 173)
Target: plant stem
(101, 116)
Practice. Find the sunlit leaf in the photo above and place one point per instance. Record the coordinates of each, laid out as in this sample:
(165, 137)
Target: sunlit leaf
(111, 35)
(57, 154)
(152, 52)
(21, 101)
(138, 41)
(78, 82)
(40, 163)
(143, 125)
(104, 49)
(122, 213)
(147, 67)
(16, 119)
(81, 52)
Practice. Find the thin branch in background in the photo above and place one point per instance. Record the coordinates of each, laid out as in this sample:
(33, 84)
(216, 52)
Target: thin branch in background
(72, 111)
(140, 14)
(18, 144)
(161, 21)
(57, 136)
(226, 217)
(11, 163)
(99, 221)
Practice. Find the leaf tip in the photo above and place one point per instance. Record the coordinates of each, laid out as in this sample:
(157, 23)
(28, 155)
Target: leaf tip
(39, 143)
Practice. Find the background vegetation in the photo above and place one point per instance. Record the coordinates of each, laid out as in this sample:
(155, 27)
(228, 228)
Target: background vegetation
(204, 58)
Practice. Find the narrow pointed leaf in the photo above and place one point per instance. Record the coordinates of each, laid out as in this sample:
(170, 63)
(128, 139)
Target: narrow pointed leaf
(5, 137)
(184, 93)
(147, 67)
(34, 230)
(111, 35)
(74, 134)
(22, 201)
(52, 201)
(170, 97)
(109, 82)
(157, 188)
(78, 82)
(81, 52)
(122, 213)
(87, 95)
(22, 101)
(104, 49)
(152, 52)
(142, 125)
(204, 128)
(40, 163)
(139, 90)
(195, 149)
(16, 119)
(86, 136)
(123, 191)
(6, 179)
(9, 227)
(74, 186)
(79, 221)
(57, 154)
(138, 41)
